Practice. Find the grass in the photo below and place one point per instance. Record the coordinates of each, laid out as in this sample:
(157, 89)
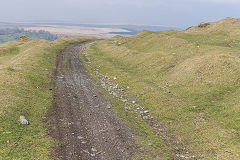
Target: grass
(169, 72)
(25, 78)
(9, 51)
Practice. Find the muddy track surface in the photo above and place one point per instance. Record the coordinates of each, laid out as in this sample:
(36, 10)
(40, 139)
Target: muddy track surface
(80, 117)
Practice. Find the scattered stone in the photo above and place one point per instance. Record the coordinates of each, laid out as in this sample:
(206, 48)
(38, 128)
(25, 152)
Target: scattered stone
(108, 107)
(150, 144)
(79, 137)
(23, 120)
(115, 87)
(182, 156)
(93, 154)
(146, 111)
(124, 100)
(194, 107)
(145, 117)
(133, 102)
(93, 150)
(128, 87)
(114, 78)
(94, 95)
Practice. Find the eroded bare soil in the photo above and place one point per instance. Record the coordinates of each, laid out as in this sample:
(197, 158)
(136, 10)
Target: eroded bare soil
(80, 117)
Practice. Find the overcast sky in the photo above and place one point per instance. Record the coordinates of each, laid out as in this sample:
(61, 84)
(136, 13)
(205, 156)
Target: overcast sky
(181, 13)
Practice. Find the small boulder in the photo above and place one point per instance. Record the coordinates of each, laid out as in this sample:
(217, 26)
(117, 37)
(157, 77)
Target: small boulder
(94, 150)
(150, 144)
(79, 137)
(124, 100)
(146, 111)
(23, 120)
(145, 117)
(194, 107)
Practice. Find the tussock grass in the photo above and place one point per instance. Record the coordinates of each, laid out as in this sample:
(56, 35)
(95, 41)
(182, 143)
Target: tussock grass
(169, 72)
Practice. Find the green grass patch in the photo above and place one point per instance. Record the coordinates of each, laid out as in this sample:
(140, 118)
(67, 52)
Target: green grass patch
(8, 51)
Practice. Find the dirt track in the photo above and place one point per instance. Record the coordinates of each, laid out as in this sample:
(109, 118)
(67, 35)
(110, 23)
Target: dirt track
(80, 118)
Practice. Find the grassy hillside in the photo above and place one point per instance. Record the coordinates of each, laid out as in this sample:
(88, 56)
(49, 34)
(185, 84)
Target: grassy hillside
(189, 80)
(26, 66)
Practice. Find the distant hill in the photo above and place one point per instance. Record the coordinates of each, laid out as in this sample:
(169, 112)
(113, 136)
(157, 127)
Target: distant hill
(86, 30)
(133, 29)
(10, 33)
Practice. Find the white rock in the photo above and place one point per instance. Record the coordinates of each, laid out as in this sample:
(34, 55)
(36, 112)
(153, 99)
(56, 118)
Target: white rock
(124, 100)
(23, 120)
(94, 150)
(146, 111)
(145, 117)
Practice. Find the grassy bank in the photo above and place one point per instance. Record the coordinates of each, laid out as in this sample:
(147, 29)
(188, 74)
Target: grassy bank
(26, 67)
(189, 80)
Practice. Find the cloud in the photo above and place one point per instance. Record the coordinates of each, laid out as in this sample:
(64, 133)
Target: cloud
(159, 2)
(225, 1)
(136, 3)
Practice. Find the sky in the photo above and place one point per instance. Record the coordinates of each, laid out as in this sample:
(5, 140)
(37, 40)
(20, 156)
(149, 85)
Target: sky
(179, 13)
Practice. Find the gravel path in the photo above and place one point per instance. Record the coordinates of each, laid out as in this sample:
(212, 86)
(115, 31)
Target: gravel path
(80, 117)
